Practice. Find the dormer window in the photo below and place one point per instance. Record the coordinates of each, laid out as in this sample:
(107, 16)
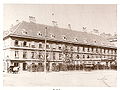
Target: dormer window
(24, 31)
(64, 38)
(52, 36)
(39, 34)
(76, 39)
(85, 41)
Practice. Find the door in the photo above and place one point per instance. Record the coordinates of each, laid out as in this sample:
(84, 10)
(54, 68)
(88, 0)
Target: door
(16, 64)
(24, 66)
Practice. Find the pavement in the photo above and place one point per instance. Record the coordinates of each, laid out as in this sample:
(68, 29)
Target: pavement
(97, 78)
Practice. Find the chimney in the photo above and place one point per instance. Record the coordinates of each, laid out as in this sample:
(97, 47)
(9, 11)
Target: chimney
(55, 23)
(32, 19)
(17, 21)
(84, 29)
(95, 31)
(69, 26)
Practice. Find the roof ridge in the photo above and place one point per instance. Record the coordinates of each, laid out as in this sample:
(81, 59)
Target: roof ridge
(71, 34)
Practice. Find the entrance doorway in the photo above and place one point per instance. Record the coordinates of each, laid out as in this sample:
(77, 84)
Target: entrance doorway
(24, 66)
(16, 64)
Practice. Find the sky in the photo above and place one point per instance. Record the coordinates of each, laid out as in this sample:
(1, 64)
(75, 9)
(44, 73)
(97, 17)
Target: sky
(102, 17)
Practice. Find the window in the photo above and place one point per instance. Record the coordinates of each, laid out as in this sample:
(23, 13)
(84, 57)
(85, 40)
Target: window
(88, 49)
(60, 56)
(47, 46)
(32, 55)
(64, 38)
(16, 42)
(83, 49)
(85, 41)
(54, 46)
(40, 45)
(77, 56)
(96, 50)
(115, 51)
(60, 48)
(71, 56)
(92, 49)
(39, 34)
(40, 56)
(24, 43)
(100, 50)
(111, 51)
(104, 50)
(71, 48)
(77, 48)
(52, 36)
(33, 46)
(104, 56)
(95, 42)
(25, 54)
(53, 55)
(76, 39)
(96, 56)
(16, 64)
(83, 56)
(88, 56)
(24, 31)
(47, 56)
(16, 54)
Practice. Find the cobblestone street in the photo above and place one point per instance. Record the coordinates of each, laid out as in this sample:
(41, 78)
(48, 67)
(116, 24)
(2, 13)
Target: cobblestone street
(101, 78)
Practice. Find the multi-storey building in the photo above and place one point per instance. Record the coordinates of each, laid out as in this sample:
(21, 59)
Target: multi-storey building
(24, 44)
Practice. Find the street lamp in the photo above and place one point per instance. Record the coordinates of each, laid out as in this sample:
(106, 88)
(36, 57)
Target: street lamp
(45, 61)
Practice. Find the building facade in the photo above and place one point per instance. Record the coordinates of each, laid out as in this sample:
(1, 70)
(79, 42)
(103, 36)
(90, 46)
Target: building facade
(24, 44)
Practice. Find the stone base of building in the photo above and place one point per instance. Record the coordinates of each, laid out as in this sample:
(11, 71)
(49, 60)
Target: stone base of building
(37, 66)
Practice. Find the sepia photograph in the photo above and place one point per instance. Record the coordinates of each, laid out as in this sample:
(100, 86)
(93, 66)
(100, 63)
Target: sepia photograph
(63, 45)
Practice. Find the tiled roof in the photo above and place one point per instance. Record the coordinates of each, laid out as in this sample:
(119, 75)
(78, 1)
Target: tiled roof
(32, 30)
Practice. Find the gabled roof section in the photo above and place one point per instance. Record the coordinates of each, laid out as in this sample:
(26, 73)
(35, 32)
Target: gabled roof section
(32, 30)
(11, 30)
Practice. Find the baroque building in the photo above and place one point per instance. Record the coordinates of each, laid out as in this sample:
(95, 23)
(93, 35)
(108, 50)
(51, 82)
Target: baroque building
(24, 44)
